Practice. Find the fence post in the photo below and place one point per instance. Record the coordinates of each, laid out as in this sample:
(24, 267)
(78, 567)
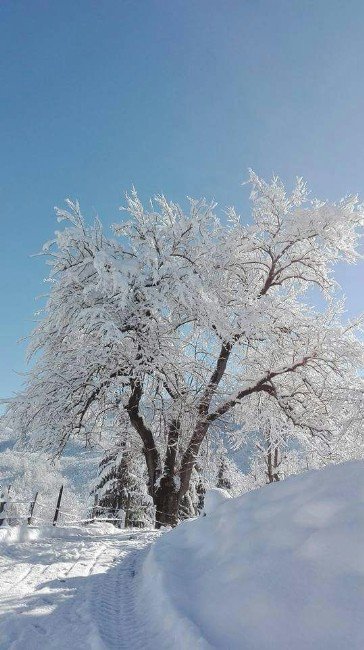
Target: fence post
(2, 507)
(32, 509)
(58, 506)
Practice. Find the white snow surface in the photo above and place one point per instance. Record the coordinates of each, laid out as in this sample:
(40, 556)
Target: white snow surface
(213, 498)
(278, 568)
(70, 588)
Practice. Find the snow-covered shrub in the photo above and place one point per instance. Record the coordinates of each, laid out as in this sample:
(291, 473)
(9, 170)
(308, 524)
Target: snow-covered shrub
(27, 473)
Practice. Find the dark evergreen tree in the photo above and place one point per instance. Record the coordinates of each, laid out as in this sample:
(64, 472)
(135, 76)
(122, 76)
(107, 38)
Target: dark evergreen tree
(223, 478)
(121, 494)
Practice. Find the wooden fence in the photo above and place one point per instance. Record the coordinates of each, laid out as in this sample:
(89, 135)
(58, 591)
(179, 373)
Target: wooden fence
(12, 514)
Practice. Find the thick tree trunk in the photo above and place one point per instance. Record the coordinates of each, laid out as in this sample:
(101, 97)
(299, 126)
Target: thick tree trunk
(190, 457)
(166, 500)
(166, 497)
(165, 491)
(152, 460)
(149, 448)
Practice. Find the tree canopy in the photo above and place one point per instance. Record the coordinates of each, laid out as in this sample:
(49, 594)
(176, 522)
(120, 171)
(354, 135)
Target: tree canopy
(181, 323)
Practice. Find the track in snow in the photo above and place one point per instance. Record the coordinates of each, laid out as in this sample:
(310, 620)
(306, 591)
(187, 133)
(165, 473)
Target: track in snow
(73, 591)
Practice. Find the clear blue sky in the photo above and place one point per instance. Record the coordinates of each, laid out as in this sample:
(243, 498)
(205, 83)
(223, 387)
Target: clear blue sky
(179, 96)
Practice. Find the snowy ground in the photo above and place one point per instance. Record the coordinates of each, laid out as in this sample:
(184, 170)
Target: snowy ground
(279, 568)
(70, 588)
(275, 569)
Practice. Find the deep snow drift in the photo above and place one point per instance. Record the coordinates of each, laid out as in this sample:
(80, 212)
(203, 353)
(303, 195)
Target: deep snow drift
(278, 568)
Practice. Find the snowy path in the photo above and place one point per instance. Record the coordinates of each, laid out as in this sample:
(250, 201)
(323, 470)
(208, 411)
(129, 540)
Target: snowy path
(72, 591)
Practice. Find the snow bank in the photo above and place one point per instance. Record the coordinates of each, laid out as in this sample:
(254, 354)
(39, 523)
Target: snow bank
(278, 568)
(214, 498)
(18, 534)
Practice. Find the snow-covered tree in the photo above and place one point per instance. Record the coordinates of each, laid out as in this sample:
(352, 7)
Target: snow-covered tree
(223, 478)
(120, 493)
(29, 472)
(25, 472)
(183, 320)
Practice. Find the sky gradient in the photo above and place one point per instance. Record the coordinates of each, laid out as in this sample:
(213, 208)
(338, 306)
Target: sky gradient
(173, 96)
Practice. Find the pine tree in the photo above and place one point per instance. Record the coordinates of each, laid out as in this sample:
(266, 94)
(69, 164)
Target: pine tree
(223, 480)
(121, 494)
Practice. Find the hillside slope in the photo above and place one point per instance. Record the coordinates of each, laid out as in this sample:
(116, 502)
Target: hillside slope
(278, 568)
